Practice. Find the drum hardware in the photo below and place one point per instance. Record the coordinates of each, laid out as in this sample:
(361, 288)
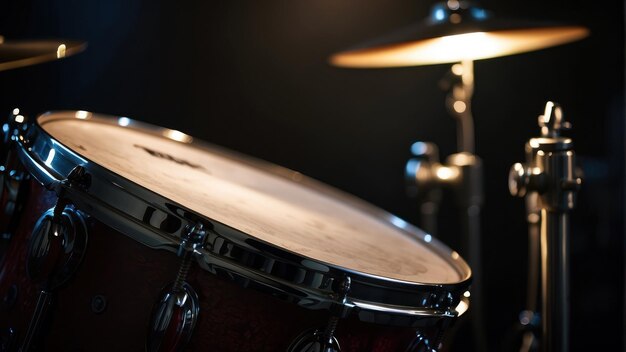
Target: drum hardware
(325, 340)
(462, 172)
(525, 334)
(13, 190)
(176, 313)
(425, 167)
(237, 248)
(549, 181)
(56, 249)
(421, 344)
(459, 32)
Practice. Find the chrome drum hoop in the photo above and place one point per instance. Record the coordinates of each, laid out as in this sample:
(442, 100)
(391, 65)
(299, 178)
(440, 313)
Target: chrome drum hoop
(159, 223)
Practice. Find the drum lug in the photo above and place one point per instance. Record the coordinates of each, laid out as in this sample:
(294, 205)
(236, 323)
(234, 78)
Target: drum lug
(173, 319)
(314, 340)
(176, 313)
(57, 247)
(420, 344)
(324, 339)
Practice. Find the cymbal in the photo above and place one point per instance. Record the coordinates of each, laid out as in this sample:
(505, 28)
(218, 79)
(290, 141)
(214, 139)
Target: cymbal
(19, 53)
(457, 31)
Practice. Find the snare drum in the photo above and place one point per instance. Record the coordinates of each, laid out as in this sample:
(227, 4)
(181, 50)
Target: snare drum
(133, 237)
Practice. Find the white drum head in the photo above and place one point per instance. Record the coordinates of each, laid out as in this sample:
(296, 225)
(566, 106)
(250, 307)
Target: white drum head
(292, 213)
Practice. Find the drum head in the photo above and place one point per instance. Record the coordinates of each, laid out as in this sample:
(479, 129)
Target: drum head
(270, 204)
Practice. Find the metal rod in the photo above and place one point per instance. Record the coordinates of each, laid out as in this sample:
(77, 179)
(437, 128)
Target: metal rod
(555, 280)
(460, 105)
(533, 217)
(550, 172)
(428, 217)
(470, 219)
(32, 334)
(533, 266)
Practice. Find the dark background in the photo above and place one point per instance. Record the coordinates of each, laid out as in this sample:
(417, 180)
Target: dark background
(252, 76)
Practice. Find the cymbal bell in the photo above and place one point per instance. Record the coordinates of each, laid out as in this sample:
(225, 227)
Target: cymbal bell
(457, 31)
(14, 54)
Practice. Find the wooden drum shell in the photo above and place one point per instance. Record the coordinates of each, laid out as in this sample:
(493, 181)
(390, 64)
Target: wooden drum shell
(130, 276)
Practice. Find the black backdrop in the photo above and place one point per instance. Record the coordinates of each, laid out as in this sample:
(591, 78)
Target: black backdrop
(252, 76)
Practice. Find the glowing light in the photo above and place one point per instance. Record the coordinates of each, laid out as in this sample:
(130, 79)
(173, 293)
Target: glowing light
(16, 111)
(479, 14)
(440, 14)
(80, 114)
(419, 148)
(447, 173)
(546, 113)
(50, 157)
(411, 166)
(177, 136)
(533, 218)
(399, 222)
(123, 121)
(455, 18)
(61, 51)
(19, 118)
(524, 319)
(459, 106)
(466, 294)
(457, 69)
(460, 47)
(1, 39)
(453, 5)
(428, 238)
(462, 307)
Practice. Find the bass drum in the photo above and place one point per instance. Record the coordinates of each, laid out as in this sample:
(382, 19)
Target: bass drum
(132, 237)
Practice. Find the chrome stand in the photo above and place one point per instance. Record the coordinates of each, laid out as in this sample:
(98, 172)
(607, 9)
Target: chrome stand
(549, 177)
(463, 173)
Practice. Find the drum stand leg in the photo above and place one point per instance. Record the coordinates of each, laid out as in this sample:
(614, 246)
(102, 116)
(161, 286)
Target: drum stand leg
(549, 175)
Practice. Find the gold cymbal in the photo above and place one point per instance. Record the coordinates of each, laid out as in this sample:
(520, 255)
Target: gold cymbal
(457, 31)
(19, 53)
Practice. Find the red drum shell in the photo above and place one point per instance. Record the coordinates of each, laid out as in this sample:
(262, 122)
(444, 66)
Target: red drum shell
(130, 277)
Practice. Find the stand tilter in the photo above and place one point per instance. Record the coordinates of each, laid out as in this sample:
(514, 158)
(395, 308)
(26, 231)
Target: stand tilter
(548, 181)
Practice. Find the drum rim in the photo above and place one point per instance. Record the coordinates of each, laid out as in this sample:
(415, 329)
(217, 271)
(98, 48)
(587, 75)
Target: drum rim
(443, 298)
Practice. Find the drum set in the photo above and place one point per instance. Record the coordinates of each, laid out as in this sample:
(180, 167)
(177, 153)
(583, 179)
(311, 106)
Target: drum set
(120, 235)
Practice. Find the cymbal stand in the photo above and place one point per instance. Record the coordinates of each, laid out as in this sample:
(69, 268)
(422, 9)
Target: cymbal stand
(549, 175)
(524, 334)
(462, 172)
